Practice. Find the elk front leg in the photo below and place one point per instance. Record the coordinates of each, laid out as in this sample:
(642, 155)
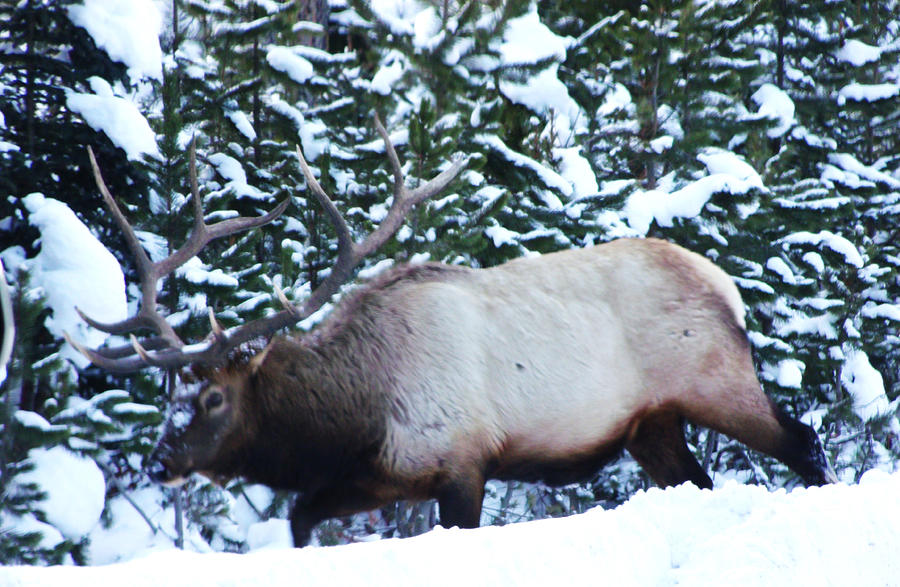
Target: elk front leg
(303, 520)
(310, 510)
(460, 499)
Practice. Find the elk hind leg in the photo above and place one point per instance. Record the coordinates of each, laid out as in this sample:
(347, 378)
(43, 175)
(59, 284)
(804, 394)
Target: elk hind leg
(659, 447)
(803, 452)
(751, 417)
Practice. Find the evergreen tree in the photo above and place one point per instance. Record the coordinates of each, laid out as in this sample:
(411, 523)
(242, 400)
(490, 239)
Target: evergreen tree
(44, 56)
(829, 272)
(464, 83)
(45, 59)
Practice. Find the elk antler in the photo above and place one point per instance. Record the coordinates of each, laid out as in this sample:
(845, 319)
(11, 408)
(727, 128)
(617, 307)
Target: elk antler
(9, 326)
(167, 350)
(148, 316)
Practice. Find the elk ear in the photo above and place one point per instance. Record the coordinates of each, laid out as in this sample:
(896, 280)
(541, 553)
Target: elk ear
(259, 358)
(187, 376)
(194, 374)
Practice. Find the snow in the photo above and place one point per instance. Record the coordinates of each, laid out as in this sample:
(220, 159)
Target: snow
(545, 93)
(501, 236)
(74, 486)
(722, 162)
(29, 419)
(128, 30)
(399, 15)
(575, 168)
(789, 373)
(728, 173)
(815, 261)
(376, 269)
(865, 385)
(285, 60)
(74, 270)
(118, 117)
(867, 92)
(131, 537)
(385, 78)
(273, 533)
(833, 535)
(662, 144)
(775, 103)
(232, 170)
(548, 176)
(857, 53)
(851, 165)
(527, 40)
(242, 122)
(881, 311)
(618, 98)
(826, 238)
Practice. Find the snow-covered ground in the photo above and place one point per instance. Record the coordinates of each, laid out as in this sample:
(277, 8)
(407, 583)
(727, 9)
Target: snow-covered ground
(734, 535)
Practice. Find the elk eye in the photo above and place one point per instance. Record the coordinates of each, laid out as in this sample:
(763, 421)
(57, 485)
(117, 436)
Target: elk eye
(213, 400)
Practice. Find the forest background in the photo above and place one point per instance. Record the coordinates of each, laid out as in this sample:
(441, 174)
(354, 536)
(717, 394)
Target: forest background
(761, 134)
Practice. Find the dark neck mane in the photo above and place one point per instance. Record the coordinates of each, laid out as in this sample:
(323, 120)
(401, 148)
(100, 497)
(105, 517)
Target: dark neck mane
(321, 401)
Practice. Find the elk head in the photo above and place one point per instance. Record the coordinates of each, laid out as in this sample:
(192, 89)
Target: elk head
(201, 419)
(205, 418)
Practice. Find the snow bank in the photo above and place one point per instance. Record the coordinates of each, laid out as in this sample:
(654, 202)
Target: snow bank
(74, 270)
(75, 488)
(834, 535)
(128, 30)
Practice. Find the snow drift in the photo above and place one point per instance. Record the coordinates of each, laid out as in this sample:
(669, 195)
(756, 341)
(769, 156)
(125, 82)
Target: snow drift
(745, 535)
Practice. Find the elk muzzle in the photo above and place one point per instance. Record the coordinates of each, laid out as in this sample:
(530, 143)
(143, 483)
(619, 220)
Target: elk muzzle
(162, 469)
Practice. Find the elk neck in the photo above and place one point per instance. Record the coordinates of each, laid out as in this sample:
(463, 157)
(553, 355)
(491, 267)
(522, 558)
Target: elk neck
(317, 405)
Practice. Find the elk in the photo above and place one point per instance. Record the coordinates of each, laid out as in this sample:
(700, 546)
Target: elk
(430, 378)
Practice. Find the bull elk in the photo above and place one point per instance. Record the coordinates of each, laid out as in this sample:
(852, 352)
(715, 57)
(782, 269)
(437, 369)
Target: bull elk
(431, 378)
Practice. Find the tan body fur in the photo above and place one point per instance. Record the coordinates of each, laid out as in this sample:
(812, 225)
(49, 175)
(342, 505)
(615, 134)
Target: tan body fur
(431, 379)
(552, 356)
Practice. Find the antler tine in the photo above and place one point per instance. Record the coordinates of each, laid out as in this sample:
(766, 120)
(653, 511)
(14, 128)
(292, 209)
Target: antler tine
(396, 168)
(131, 239)
(351, 253)
(404, 199)
(197, 202)
(345, 240)
(285, 303)
(148, 273)
(113, 365)
(214, 326)
(139, 320)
